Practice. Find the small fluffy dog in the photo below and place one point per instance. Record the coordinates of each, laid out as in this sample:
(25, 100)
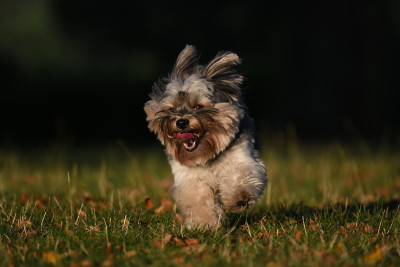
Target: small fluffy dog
(198, 115)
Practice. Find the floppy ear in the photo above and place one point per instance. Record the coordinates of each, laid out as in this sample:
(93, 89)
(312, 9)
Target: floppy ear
(226, 80)
(151, 108)
(186, 63)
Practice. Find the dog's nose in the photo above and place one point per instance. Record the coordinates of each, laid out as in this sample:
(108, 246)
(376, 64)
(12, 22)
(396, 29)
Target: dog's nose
(182, 123)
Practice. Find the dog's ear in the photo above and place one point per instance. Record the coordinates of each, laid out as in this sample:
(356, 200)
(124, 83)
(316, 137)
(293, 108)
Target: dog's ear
(159, 88)
(151, 108)
(225, 78)
(186, 63)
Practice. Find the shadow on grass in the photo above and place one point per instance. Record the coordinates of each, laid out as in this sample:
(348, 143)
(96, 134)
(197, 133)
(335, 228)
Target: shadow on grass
(298, 212)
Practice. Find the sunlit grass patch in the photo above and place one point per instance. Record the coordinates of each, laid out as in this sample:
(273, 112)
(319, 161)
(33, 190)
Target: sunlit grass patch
(328, 204)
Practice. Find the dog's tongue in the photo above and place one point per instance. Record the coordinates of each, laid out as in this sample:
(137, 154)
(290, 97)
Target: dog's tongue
(184, 136)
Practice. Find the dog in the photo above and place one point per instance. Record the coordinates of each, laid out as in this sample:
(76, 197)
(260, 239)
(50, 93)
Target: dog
(198, 115)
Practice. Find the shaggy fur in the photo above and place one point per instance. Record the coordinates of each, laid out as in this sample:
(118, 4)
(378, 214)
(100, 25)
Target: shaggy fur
(197, 114)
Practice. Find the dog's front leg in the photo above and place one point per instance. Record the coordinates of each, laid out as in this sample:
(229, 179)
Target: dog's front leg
(198, 204)
(242, 188)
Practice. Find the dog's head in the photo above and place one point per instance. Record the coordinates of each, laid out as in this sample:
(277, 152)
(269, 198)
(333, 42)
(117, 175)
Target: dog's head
(195, 111)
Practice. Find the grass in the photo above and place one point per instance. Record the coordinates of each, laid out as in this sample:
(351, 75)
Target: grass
(325, 204)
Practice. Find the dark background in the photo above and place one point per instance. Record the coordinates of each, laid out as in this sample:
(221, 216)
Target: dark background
(79, 72)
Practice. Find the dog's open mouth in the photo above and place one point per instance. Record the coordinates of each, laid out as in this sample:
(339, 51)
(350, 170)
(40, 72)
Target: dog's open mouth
(190, 140)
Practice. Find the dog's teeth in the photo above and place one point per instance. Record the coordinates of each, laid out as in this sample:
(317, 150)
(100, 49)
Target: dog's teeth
(190, 144)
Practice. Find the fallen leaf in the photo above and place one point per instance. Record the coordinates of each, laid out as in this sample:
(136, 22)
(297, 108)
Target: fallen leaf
(40, 203)
(179, 242)
(130, 253)
(108, 261)
(167, 238)
(158, 244)
(23, 199)
(149, 203)
(191, 242)
(94, 228)
(178, 218)
(339, 247)
(367, 228)
(86, 263)
(50, 257)
(164, 241)
(159, 210)
(81, 214)
(179, 259)
(24, 223)
(374, 256)
(109, 247)
(166, 204)
(298, 235)
(352, 225)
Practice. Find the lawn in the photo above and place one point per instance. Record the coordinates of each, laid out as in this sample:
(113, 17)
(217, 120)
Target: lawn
(325, 204)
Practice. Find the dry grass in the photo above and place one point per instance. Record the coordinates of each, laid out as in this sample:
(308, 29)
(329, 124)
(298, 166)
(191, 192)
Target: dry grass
(324, 205)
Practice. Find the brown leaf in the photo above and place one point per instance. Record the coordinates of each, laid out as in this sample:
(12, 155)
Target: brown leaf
(374, 256)
(107, 263)
(367, 228)
(94, 228)
(266, 234)
(82, 214)
(158, 244)
(159, 210)
(149, 203)
(166, 204)
(40, 203)
(86, 263)
(131, 253)
(167, 237)
(179, 242)
(352, 225)
(24, 223)
(191, 242)
(164, 241)
(50, 257)
(298, 235)
(109, 247)
(178, 218)
(179, 259)
(23, 199)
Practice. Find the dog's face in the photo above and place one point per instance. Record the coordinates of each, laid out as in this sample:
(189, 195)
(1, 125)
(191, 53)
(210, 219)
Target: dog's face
(195, 112)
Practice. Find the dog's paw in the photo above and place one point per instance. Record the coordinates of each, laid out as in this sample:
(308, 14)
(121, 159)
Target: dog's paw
(242, 200)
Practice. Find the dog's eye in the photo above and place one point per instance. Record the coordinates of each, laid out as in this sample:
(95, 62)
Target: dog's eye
(197, 107)
(172, 109)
